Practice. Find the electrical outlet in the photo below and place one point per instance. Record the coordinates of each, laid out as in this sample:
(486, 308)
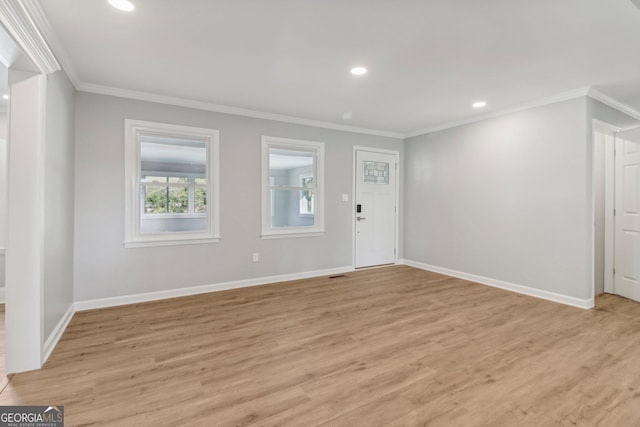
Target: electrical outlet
(256, 257)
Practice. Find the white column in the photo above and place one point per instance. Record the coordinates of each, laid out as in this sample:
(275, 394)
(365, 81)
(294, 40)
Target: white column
(25, 231)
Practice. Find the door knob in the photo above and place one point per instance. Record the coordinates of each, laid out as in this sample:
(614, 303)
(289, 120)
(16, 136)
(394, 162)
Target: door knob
(361, 218)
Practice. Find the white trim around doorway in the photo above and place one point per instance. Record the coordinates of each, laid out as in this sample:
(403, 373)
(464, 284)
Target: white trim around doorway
(396, 153)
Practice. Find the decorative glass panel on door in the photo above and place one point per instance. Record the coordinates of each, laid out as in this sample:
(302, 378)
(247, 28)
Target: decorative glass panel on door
(376, 172)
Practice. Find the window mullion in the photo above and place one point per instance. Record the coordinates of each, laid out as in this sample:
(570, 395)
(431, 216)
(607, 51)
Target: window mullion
(191, 196)
(169, 184)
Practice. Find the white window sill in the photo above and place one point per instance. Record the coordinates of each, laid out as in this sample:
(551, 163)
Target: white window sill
(170, 242)
(292, 234)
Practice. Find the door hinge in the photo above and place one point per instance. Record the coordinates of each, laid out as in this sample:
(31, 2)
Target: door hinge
(614, 212)
(394, 251)
(614, 271)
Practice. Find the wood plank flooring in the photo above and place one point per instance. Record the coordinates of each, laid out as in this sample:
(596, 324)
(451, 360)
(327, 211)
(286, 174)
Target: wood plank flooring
(394, 346)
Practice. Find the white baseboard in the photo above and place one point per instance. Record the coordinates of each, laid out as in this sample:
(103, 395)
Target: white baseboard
(526, 290)
(57, 332)
(3, 298)
(203, 289)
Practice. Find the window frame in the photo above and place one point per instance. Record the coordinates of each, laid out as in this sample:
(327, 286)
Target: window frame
(133, 207)
(269, 232)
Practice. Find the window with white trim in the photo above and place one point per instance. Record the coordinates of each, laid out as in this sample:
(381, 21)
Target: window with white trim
(292, 188)
(171, 184)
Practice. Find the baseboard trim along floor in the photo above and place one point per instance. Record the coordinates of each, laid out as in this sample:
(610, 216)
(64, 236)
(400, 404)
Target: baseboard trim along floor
(526, 290)
(203, 289)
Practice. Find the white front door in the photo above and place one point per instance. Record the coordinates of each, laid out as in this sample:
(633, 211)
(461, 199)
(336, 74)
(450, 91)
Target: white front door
(627, 215)
(375, 200)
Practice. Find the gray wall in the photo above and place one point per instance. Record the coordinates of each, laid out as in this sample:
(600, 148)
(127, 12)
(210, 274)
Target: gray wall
(59, 199)
(103, 268)
(507, 198)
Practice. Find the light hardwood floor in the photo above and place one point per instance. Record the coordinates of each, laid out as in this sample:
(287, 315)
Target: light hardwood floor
(395, 346)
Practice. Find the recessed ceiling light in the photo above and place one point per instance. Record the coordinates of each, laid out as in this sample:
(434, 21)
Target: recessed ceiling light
(5, 96)
(479, 104)
(358, 71)
(124, 5)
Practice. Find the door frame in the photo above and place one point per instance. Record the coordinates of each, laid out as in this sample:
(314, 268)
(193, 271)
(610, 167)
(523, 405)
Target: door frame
(609, 132)
(617, 146)
(396, 154)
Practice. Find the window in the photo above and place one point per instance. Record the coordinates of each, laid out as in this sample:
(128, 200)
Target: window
(292, 193)
(187, 199)
(171, 184)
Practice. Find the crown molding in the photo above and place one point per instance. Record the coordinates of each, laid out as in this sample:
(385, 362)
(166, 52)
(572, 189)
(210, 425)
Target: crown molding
(42, 23)
(563, 96)
(27, 23)
(200, 105)
(613, 103)
(19, 23)
(35, 14)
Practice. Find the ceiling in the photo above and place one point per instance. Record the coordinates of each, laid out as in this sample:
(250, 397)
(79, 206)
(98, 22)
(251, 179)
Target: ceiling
(428, 61)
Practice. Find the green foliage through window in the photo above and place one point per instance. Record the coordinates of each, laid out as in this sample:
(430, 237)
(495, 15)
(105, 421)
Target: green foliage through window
(159, 199)
(200, 200)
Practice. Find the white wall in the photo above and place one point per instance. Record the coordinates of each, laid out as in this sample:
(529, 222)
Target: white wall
(3, 195)
(103, 268)
(59, 199)
(507, 199)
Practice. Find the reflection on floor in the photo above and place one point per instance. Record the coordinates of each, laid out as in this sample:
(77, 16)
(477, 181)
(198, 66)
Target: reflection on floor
(394, 346)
